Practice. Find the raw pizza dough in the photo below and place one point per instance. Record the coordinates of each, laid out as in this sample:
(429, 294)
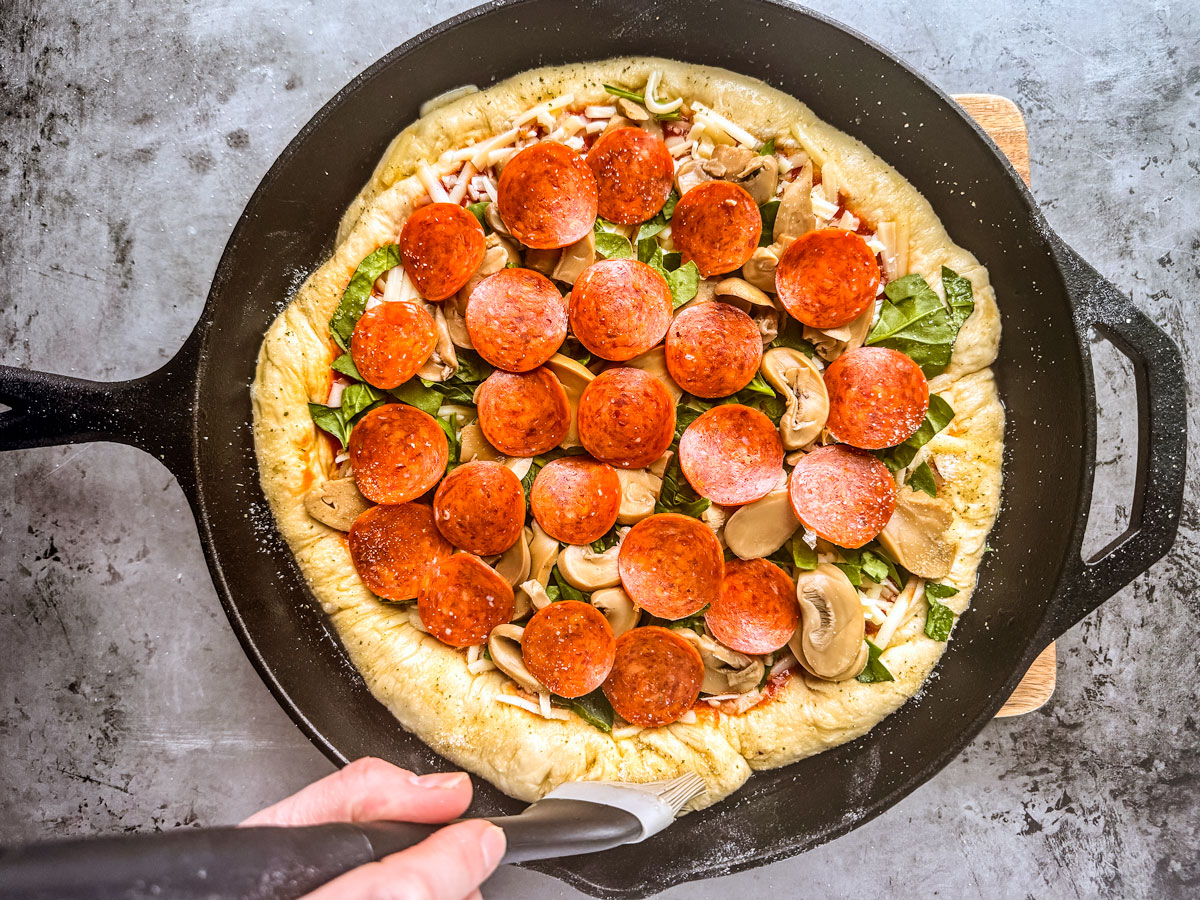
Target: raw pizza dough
(425, 683)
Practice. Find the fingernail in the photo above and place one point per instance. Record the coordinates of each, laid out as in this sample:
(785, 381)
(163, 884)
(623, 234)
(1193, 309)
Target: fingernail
(493, 842)
(441, 780)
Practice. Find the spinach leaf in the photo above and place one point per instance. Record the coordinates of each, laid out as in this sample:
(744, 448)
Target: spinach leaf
(345, 365)
(683, 280)
(354, 298)
(915, 321)
(921, 479)
(940, 618)
(875, 670)
(639, 98)
(451, 440)
(593, 708)
(606, 541)
(767, 148)
(610, 243)
(684, 416)
(472, 368)
(758, 385)
(897, 574)
(851, 564)
(572, 348)
(804, 557)
(874, 567)
(331, 419)
(668, 209)
(567, 591)
(415, 392)
(791, 334)
(477, 210)
(357, 398)
(677, 495)
(695, 621)
(937, 418)
(768, 211)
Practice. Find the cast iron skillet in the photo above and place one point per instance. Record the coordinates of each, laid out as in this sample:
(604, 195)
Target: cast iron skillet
(194, 413)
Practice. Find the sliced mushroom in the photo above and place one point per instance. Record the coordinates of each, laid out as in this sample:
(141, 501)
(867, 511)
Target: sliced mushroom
(795, 214)
(543, 554)
(491, 215)
(762, 527)
(725, 671)
(795, 376)
(859, 328)
(518, 465)
(336, 503)
(830, 343)
(632, 110)
(829, 641)
(588, 570)
(759, 269)
(513, 564)
(916, 535)
(443, 362)
(622, 613)
(533, 594)
(639, 492)
(717, 519)
(659, 466)
(542, 261)
(758, 175)
(742, 294)
(504, 646)
(654, 362)
(616, 122)
(575, 259)
(455, 311)
(689, 173)
(473, 445)
(574, 378)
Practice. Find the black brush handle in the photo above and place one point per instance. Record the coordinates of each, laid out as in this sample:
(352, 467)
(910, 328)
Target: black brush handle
(273, 863)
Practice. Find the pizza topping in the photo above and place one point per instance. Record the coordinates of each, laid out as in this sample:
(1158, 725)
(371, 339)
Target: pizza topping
(616, 606)
(620, 308)
(797, 377)
(755, 173)
(504, 646)
(394, 546)
(626, 418)
(462, 599)
(877, 397)
(756, 611)
(515, 562)
(442, 245)
(827, 278)
(762, 527)
(917, 535)
(633, 171)
(671, 565)
(845, 495)
(587, 569)
(728, 674)
(713, 350)
(717, 225)
(480, 508)
(391, 342)
(523, 414)
(569, 647)
(732, 454)
(336, 502)
(547, 196)
(398, 453)
(640, 489)
(830, 640)
(655, 678)
(516, 319)
(575, 499)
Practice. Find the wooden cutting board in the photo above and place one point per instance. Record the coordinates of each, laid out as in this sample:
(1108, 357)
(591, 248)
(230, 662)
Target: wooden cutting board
(1001, 119)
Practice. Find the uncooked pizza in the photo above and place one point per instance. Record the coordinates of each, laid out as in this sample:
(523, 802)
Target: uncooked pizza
(641, 422)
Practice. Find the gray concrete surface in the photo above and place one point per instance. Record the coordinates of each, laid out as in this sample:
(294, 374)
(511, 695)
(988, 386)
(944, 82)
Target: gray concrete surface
(131, 136)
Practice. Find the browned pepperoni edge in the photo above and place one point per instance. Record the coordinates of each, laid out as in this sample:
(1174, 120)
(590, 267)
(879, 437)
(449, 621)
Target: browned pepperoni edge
(713, 349)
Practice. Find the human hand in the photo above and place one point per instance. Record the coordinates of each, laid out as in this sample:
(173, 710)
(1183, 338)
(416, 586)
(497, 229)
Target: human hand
(448, 865)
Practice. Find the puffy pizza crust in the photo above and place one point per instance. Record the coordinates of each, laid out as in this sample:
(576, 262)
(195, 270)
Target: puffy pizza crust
(426, 684)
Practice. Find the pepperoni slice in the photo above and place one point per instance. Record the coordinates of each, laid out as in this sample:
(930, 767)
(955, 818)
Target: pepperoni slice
(732, 454)
(877, 397)
(523, 414)
(394, 546)
(462, 599)
(827, 278)
(757, 611)
(547, 196)
(713, 350)
(480, 507)
(620, 308)
(671, 565)
(655, 678)
(575, 499)
(398, 453)
(569, 647)
(718, 225)
(391, 342)
(633, 170)
(844, 495)
(626, 418)
(442, 245)
(516, 319)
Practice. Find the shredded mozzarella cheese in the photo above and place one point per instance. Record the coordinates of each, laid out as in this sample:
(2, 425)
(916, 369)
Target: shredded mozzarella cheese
(335, 394)
(653, 104)
(822, 208)
(620, 732)
(599, 112)
(543, 109)
(811, 147)
(432, 184)
(459, 190)
(717, 122)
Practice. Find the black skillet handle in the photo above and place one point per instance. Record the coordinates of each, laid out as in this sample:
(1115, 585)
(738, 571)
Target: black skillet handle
(1162, 443)
(154, 412)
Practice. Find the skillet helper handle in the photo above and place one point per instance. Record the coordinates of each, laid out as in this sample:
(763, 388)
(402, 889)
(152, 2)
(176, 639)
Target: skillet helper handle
(153, 412)
(274, 863)
(1162, 442)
